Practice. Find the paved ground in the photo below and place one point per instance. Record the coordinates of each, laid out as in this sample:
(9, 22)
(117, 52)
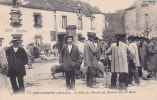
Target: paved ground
(39, 80)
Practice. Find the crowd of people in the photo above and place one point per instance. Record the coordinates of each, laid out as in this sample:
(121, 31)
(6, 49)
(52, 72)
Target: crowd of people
(128, 59)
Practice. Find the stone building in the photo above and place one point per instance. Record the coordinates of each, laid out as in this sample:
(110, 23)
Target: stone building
(141, 20)
(138, 20)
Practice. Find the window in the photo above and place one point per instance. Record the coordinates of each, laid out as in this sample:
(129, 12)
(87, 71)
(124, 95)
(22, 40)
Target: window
(14, 3)
(37, 20)
(80, 23)
(53, 35)
(38, 39)
(79, 36)
(15, 18)
(68, 4)
(64, 22)
(92, 24)
(146, 20)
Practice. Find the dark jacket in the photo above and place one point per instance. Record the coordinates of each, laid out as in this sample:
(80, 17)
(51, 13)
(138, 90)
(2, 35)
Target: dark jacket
(152, 57)
(90, 54)
(16, 61)
(72, 60)
(143, 53)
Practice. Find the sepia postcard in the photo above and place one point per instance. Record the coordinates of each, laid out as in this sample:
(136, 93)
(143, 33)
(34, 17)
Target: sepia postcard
(78, 49)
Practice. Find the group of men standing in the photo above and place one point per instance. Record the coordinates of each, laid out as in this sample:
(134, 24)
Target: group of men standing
(131, 58)
(72, 57)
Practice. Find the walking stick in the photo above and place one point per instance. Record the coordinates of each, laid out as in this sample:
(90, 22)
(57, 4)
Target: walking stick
(95, 76)
(95, 80)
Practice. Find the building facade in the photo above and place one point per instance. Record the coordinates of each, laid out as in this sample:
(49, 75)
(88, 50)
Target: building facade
(138, 20)
(43, 21)
(142, 20)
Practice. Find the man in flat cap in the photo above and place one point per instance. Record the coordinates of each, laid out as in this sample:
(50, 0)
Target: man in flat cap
(70, 58)
(119, 61)
(90, 58)
(17, 59)
(3, 67)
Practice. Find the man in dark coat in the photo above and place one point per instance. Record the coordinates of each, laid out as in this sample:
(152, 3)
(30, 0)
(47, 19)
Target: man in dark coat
(143, 52)
(17, 59)
(71, 59)
(152, 57)
(90, 59)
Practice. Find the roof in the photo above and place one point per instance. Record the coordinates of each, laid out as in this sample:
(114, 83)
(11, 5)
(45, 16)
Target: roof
(36, 4)
(109, 33)
(116, 21)
(59, 5)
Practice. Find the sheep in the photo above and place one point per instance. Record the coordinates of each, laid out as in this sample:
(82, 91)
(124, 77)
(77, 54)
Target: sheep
(57, 68)
(102, 67)
(83, 69)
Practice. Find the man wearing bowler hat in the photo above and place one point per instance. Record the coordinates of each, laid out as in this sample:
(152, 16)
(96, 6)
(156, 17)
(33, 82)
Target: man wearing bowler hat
(17, 59)
(90, 58)
(70, 58)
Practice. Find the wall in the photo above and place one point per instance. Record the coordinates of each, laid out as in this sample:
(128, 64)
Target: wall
(99, 24)
(136, 22)
(72, 19)
(27, 28)
(52, 21)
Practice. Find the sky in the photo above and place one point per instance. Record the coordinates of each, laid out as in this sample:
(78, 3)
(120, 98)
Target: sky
(110, 5)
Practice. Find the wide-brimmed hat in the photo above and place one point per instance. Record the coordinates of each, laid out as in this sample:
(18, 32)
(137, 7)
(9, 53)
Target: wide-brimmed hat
(136, 37)
(1, 38)
(91, 34)
(96, 38)
(154, 38)
(82, 38)
(120, 36)
(69, 37)
(131, 37)
(142, 37)
(16, 39)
